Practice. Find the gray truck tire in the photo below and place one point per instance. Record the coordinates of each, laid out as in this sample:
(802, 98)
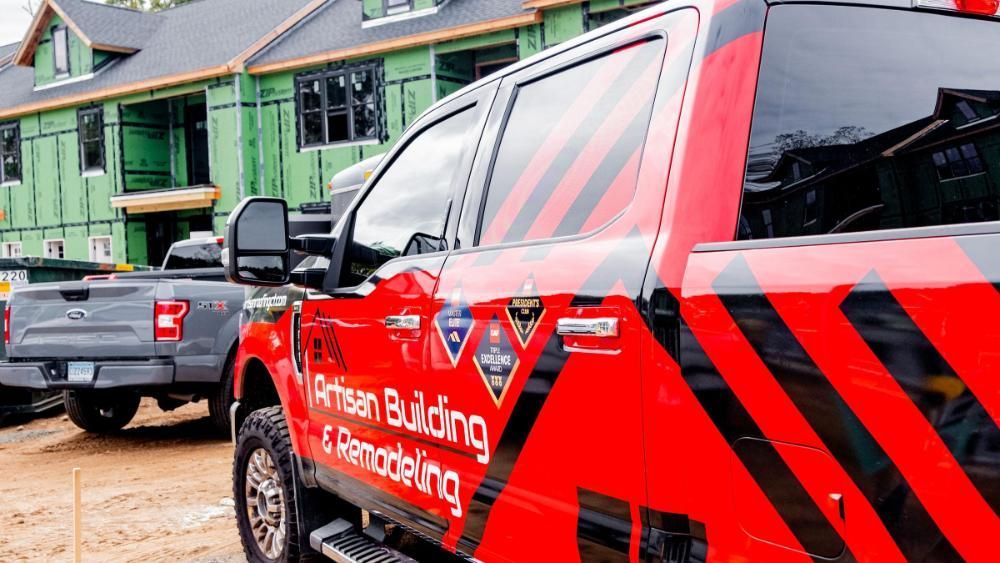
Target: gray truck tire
(100, 412)
(265, 502)
(222, 399)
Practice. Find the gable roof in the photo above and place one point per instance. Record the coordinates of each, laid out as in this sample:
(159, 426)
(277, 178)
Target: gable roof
(335, 32)
(99, 26)
(199, 40)
(7, 53)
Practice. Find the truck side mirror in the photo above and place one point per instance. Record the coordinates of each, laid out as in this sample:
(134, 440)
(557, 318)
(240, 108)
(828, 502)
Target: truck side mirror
(257, 249)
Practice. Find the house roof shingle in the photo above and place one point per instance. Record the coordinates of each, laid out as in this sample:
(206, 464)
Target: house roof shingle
(338, 26)
(111, 25)
(192, 37)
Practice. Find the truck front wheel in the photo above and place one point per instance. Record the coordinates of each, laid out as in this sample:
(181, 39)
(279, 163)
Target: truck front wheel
(264, 489)
(100, 412)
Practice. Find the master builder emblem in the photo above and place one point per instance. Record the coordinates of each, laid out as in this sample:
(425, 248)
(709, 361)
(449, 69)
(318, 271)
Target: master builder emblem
(454, 324)
(525, 311)
(496, 360)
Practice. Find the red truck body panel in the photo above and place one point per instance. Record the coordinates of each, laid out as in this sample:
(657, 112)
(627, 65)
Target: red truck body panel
(830, 398)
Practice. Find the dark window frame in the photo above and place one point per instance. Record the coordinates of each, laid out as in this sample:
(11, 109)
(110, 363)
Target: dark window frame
(82, 140)
(55, 52)
(16, 127)
(350, 108)
(964, 166)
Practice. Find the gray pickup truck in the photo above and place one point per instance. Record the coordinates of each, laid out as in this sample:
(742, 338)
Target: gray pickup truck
(170, 334)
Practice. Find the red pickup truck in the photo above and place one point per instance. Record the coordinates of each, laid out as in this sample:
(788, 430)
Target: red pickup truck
(716, 283)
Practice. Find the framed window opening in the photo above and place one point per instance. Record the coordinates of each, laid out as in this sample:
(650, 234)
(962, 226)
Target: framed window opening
(340, 106)
(91, 133)
(10, 153)
(954, 163)
(55, 248)
(60, 51)
(11, 249)
(101, 249)
(393, 7)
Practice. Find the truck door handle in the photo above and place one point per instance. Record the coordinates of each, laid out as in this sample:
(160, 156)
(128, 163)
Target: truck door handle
(602, 327)
(403, 322)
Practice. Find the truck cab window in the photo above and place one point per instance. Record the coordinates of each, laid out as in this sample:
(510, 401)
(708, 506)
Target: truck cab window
(870, 119)
(405, 212)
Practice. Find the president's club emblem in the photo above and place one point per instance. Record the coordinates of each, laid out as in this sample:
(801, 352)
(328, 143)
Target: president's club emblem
(454, 324)
(496, 360)
(525, 311)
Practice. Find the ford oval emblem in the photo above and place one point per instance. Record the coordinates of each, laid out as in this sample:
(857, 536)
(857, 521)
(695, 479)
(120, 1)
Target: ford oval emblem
(76, 314)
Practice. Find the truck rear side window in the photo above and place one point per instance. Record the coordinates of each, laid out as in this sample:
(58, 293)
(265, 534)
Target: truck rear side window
(191, 256)
(869, 119)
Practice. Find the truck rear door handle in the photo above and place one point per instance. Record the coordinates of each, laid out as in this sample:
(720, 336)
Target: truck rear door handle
(601, 327)
(403, 322)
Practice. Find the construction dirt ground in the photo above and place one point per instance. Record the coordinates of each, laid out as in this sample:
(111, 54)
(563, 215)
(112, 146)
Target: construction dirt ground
(158, 491)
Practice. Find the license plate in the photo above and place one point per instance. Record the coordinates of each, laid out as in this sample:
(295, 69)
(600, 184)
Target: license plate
(80, 372)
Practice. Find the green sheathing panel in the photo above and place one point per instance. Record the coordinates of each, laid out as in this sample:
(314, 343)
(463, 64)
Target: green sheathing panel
(530, 41)
(371, 9)
(135, 235)
(563, 24)
(249, 147)
(301, 176)
(31, 243)
(77, 246)
(119, 248)
(222, 144)
(604, 5)
(146, 146)
(81, 58)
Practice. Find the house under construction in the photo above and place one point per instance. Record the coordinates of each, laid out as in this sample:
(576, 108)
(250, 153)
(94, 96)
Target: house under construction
(123, 131)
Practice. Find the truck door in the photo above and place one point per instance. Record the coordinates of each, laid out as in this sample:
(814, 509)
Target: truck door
(365, 344)
(534, 345)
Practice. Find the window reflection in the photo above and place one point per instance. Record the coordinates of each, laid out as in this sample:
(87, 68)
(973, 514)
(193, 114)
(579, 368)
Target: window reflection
(870, 120)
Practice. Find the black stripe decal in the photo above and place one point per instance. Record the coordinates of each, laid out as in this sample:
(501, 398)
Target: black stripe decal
(522, 421)
(604, 535)
(765, 465)
(840, 429)
(604, 176)
(585, 134)
(962, 423)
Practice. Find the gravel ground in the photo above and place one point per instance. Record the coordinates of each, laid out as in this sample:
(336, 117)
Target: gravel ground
(158, 491)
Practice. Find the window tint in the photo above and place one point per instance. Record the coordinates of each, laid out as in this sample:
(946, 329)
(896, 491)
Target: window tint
(568, 159)
(189, 256)
(870, 119)
(60, 46)
(91, 132)
(404, 214)
(10, 152)
(336, 107)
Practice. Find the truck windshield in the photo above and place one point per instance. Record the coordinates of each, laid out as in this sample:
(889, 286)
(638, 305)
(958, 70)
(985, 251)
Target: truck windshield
(190, 256)
(870, 119)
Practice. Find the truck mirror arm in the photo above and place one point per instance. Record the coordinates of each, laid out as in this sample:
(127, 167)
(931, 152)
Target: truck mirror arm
(316, 245)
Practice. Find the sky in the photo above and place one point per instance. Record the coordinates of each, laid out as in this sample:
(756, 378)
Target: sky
(13, 21)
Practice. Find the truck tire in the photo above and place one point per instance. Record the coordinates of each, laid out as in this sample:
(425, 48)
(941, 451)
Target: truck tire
(264, 490)
(100, 412)
(222, 399)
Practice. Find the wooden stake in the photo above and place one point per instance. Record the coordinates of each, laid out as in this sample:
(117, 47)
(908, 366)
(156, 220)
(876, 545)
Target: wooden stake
(77, 554)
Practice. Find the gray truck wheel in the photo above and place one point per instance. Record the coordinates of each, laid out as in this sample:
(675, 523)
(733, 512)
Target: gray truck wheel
(222, 399)
(100, 412)
(264, 490)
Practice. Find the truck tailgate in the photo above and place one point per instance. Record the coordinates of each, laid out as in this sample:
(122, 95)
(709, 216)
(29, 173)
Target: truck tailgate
(96, 319)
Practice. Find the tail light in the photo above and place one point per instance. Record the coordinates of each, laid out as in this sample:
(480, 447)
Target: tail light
(980, 7)
(6, 325)
(168, 320)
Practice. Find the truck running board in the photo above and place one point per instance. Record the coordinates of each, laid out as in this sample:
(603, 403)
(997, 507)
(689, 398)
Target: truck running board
(340, 542)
